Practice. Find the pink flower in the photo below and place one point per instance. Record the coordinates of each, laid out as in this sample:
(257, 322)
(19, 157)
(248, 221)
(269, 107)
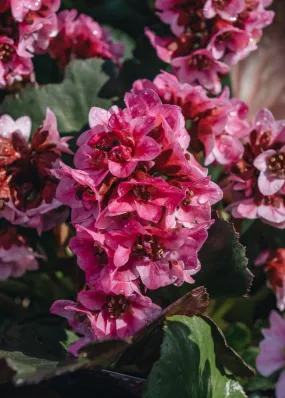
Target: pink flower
(226, 9)
(272, 351)
(98, 315)
(148, 198)
(257, 179)
(200, 68)
(13, 68)
(231, 45)
(119, 146)
(77, 190)
(27, 188)
(230, 36)
(16, 257)
(271, 165)
(82, 37)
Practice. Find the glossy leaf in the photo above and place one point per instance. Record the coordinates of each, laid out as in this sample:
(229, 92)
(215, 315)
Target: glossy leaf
(187, 366)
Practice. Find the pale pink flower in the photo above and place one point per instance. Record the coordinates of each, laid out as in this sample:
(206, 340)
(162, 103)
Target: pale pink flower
(226, 9)
(200, 67)
(272, 351)
(16, 256)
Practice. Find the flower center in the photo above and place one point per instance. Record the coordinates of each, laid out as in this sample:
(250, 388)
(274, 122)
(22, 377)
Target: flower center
(148, 246)
(100, 254)
(226, 36)
(187, 200)
(6, 52)
(276, 165)
(117, 306)
(144, 192)
(220, 4)
(200, 62)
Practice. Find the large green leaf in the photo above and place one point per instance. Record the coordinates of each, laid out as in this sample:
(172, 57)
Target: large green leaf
(70, 100)
(187, 367)
(224, 269)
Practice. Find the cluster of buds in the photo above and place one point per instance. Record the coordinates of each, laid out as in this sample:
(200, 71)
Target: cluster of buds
(26, 27)
(141, 206)
(27, 187)
(79, 36)
(208, 35)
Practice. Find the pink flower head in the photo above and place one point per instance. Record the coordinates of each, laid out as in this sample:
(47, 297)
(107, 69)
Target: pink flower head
(99, 316)
(205, 31)
(148, 198)
(226, 9)
(27, 188)
(13, 68)
(119, 146)
(16, 257)
(272, 351)
(145, 204)
(200, 68)
(257, 179)
(274, 267)
(231, 45)
(82, 37)
(37, 24)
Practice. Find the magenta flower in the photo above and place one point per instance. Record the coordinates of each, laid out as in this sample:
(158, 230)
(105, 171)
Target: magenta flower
(148, 198)
(77, 190)
(226, 9)
(79, 36)
(98, 315)
(231, 45)
(200, 68)
(13, 68)
(143, 207)
(272, 351)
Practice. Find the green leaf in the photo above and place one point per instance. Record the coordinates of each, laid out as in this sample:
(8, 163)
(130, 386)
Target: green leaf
(224, 269)
(187, 366)
(70, 100)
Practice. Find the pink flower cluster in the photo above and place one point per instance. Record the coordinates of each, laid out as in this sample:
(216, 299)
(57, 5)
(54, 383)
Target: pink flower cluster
(26, 27)
(16, 257)
(208, 35)
(272, 352)
(216, 125)
(273, 262)
(27, 188)
(258, 180)
(141, 206)
(79, 36)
